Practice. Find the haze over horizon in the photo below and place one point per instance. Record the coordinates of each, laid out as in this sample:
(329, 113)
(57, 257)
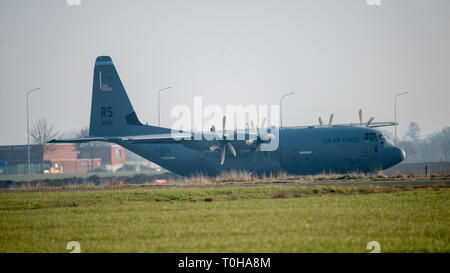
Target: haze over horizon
(337, 56)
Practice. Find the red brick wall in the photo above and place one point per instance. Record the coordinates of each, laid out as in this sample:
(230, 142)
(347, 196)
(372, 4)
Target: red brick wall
(67, 155)
(60, 151)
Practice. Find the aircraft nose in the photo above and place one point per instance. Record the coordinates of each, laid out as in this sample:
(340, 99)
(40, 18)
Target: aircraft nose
(399, 154)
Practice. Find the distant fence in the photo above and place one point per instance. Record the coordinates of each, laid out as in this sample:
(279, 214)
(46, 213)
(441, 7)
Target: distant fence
(436, 168)
(17, 169)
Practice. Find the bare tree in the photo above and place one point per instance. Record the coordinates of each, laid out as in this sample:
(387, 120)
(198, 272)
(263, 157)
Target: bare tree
(429, 148)
(42, 132)
(84, 132)
(444, 139)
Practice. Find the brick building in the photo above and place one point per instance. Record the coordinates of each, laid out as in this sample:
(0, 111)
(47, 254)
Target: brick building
(113, 156)
(61, 158)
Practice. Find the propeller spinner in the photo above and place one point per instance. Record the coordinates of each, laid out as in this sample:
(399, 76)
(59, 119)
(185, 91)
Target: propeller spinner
(261, 137)
(224, 142)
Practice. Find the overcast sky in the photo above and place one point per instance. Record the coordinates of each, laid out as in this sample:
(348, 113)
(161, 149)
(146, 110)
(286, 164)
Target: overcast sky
(337, 56)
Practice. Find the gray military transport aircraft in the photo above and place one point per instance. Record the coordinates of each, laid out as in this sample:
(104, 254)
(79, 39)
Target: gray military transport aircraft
(331, 148)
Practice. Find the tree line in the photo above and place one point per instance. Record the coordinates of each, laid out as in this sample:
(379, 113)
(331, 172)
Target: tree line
(431, 148)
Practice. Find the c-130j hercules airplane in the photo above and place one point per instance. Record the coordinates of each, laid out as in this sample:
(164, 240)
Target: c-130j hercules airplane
(301, 150)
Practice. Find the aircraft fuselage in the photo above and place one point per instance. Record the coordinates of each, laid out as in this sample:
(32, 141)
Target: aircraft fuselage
(301, 151)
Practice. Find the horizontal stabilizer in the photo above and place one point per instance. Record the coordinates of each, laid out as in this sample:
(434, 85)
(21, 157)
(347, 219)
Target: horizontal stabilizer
(155, 138)
(77, 140)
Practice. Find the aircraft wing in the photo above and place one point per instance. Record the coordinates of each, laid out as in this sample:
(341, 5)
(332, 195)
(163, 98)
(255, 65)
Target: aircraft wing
(158, 138)
(371, 125)
(77, 140)
(382, 124)
(154, 138)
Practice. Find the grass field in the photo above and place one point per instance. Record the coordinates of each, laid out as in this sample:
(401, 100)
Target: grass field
(131, 180)
(238, 219)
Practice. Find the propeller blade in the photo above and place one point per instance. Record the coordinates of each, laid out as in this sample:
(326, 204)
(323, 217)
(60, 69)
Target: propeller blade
(250, 141)
(253, 126)
(254, 130)
(370, 121)
(224, 121)
(231, 148)
(360, 117)
(231, 135)
(320, 122)
(331, 119)
(258, 130)
(213, 130)
(214, 148)
(266, 137)
(222, 157)
(263, 123)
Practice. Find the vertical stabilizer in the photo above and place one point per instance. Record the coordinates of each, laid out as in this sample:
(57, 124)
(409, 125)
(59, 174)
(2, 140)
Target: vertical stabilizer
(111, 111)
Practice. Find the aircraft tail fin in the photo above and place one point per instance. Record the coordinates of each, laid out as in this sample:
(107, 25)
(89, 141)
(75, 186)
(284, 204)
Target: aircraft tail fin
(111, 111)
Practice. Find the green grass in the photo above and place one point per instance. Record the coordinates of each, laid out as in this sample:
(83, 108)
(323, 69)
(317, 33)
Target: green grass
(256, 219)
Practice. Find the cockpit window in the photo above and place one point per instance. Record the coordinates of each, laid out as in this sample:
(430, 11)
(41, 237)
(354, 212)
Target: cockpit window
(383, 140)
(370, 137)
